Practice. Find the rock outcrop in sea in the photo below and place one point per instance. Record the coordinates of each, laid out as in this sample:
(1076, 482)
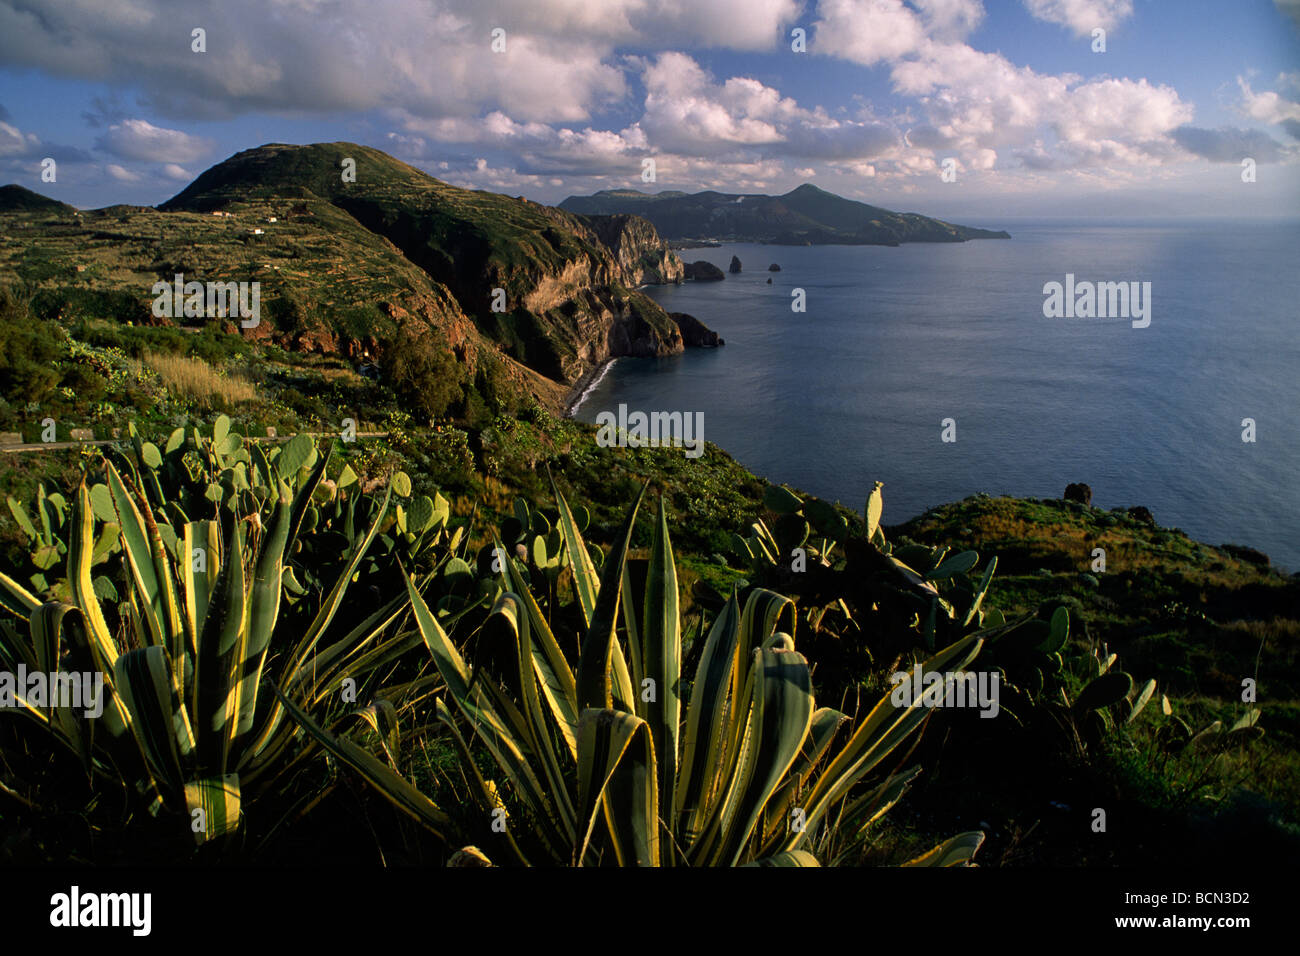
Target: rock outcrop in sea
(702, 271)
(695, 334)
(1079, 492)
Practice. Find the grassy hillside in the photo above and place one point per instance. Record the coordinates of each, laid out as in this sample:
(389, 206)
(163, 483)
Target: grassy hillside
(1197, 619)
(15, 198)
(1017, 779)
(329, 288)
(556, 275)
(395, 268)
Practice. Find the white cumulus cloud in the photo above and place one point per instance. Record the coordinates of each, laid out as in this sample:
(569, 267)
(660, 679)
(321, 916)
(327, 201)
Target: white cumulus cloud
(1082, 16)
(140, 139)
(982, 101)
(122, 174)
(1270, 107)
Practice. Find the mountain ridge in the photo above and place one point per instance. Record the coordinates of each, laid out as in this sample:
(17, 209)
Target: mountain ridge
(806, 215)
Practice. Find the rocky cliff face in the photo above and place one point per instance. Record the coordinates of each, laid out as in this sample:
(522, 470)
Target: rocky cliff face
(568, 303)
(352, 267)
(695, 333)
(643, 256)
(636, 333)
(567, 297)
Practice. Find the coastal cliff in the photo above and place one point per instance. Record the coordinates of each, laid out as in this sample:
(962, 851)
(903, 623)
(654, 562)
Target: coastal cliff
(636, 245)
(357, 254)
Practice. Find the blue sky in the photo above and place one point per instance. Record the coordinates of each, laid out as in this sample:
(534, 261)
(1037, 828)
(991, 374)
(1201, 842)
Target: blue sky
(1033, 120)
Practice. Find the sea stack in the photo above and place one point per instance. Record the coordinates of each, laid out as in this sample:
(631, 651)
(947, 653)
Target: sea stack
(735, 265)
(702, 271)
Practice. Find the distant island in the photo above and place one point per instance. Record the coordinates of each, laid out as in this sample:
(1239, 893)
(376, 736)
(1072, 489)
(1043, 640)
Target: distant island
(806, 216)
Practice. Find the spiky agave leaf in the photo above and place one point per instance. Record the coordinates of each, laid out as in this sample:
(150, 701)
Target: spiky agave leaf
(754, 741)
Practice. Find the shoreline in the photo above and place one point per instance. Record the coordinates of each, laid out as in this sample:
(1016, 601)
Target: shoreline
(583, 386)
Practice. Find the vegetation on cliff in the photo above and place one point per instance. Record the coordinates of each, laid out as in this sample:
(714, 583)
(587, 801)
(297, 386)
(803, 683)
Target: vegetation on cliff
(438, 502)
(356, 253)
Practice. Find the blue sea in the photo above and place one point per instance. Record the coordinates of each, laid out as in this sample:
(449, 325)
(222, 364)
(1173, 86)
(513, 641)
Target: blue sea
(896, 340)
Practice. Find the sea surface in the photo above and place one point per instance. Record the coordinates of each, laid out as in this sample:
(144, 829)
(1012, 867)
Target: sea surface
(896, 340)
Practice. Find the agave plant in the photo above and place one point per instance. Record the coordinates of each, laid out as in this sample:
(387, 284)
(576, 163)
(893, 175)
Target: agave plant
(623, 760)
(187, 723)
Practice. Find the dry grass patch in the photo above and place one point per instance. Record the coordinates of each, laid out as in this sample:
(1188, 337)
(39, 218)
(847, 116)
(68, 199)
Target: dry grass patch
(196, 379)
(344, 375)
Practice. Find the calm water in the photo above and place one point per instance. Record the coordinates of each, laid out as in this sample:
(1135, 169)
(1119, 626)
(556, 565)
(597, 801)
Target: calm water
(894, 340)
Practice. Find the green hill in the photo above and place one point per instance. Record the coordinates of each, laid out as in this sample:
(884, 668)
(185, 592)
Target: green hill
(15, 198)
(391, 262)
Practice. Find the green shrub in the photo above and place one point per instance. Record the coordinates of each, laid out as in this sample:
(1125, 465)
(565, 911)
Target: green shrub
(30, 349)
(70, 304)
(422, 371)
(217, 347)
